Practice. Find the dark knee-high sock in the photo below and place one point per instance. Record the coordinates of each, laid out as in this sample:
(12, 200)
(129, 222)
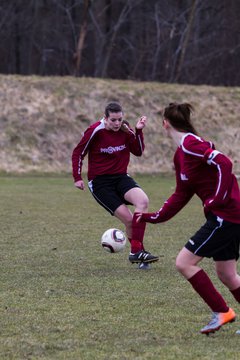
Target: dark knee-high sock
(138, 230)
(236, 294)
(204, 287)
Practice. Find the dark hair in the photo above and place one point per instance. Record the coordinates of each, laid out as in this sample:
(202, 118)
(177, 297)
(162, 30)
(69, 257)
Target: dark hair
(179, 116)
(113, 107)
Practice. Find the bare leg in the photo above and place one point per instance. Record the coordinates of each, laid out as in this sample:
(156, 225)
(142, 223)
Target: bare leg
(125, 216)
(227, 273)
(138, 198)
(186, 264)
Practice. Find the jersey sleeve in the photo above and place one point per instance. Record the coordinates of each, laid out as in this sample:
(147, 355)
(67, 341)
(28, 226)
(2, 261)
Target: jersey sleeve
(79, 153)
(206, 151)
(195, 146)
(172, 206)
(224, 168)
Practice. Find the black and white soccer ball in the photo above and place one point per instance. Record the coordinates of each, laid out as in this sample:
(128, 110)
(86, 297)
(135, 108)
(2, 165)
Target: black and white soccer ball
(113, 240)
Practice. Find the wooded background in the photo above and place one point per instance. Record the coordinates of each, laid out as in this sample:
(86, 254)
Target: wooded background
(173, 41)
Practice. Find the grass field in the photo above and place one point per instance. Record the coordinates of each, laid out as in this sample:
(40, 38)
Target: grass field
(64, 297)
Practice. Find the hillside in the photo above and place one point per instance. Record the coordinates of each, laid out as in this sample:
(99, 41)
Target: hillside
(42, 119)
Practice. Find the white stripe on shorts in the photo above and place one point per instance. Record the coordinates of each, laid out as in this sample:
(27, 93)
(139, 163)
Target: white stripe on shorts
(217, 227)
(90, 186)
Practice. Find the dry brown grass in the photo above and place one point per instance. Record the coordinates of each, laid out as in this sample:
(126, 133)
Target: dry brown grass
(42, 119)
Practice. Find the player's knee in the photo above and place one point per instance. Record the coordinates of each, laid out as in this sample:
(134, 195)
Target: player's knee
(180, 265)
(143, 203)
(225, 278)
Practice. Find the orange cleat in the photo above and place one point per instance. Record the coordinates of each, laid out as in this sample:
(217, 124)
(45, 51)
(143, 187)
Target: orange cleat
(218, 320)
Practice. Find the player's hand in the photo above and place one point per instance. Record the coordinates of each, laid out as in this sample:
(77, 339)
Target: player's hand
(141, 123)
(209, 205)
(80, 184)
(139, 216)
(208, 202)
(148, 217)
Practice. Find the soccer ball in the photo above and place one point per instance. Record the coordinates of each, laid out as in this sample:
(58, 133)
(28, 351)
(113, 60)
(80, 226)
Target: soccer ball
(113, 240)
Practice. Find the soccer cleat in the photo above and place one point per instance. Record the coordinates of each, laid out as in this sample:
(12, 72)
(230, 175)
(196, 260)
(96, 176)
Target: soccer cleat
(218, 319)
(142, 257)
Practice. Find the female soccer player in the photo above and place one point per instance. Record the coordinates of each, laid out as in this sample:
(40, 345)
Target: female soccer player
(206, 172)
(109, 143)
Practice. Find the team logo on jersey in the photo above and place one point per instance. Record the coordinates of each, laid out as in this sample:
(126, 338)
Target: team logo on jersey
(112, 149)
(183, 177)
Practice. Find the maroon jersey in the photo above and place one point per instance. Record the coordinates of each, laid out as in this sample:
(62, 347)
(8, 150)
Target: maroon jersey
(203, 171)
(108, 151)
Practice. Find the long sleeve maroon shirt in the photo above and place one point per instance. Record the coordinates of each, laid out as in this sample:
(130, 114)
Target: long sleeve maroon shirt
(108, 151)
(203, 171)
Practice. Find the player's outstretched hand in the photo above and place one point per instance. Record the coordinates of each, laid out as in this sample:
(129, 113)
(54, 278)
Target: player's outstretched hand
(141, 123)
(139, 216)
(148, 217)
(80, 184)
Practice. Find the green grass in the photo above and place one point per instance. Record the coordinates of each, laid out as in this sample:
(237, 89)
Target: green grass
(63, 297)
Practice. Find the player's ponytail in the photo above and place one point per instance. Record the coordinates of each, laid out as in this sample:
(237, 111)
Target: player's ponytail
(179, 116)
(126, 127)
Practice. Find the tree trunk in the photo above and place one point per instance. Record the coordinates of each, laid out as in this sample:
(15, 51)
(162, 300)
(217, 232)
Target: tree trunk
(186, 39)
(82, 36)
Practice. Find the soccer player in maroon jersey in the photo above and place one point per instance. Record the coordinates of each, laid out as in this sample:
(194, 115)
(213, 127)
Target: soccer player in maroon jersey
(108, 143)
(206, 172)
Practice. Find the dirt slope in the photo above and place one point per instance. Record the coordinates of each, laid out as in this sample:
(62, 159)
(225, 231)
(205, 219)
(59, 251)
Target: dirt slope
(42, 119)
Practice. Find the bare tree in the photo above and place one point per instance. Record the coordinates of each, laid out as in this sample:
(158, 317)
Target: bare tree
(185, 39)
(188, 41)
(112, 34)
(82, 36)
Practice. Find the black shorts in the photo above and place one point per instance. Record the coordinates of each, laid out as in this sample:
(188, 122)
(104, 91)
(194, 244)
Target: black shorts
(109, 190)
(217, 238)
